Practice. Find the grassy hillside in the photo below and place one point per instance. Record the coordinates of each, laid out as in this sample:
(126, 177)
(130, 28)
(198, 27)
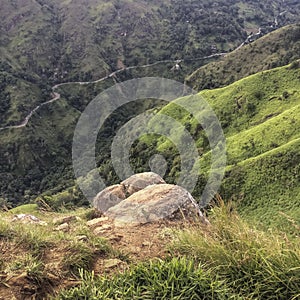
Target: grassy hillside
(228, 259)
(44, 42)
(260, 118)
(278, 48)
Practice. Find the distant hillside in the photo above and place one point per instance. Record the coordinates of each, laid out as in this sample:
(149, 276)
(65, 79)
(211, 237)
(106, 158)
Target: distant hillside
(273, 50)
(260, 118)
(86, 39)
(46, 42)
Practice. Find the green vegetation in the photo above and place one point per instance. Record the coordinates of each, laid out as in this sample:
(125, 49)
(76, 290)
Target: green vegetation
(226, 260)
(260, 116)
(46, 37)
(40, 256)
(170, 279)
(250, 249)
(25, 209)
(44, 43)
(255, 264)
(278, 48)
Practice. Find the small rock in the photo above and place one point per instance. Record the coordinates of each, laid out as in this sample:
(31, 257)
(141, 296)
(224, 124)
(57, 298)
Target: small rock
(97, 222)
(28, 219)
(102, 229)
(67, 219)
(111, 263)
(82, 238)
(63, 227)
(146, 244)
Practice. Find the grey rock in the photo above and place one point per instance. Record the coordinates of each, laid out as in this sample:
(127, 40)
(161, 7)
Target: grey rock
(97, 222)
(140, 181)
(109, 197)
(102, 229)
(28, 219)
(63, 227)
(114, 194)
(153, 203)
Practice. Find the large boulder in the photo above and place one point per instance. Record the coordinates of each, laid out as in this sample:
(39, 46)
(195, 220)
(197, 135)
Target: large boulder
(109, 197)
(140, 181)
(155, 202)
(113, 195)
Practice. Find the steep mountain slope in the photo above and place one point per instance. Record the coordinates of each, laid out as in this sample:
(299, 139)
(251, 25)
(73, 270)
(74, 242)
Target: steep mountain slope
(46, 42)
(260, 118)
(60, 39)
(53, 41)
(273, 50)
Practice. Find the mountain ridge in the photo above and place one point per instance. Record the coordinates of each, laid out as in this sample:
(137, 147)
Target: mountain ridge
(262, 142)
(275, 49)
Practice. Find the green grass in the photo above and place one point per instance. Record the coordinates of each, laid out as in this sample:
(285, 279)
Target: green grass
(278, 48)
(253, 263)
(33, 238)
(267, 186)
(177, 278)
(25, 209)
(227, 259)
(46, 258)
(260, 119)
(31, 265)
(36, 54)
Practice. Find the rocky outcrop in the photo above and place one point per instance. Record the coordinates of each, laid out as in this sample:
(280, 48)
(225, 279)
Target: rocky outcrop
(109, 197)
(146, 198)
(140, 181)
(114, 194)
(155, 202)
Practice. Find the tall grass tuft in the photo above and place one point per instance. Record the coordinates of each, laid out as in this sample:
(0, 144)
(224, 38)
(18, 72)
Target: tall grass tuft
(172, 279)
(255, 264)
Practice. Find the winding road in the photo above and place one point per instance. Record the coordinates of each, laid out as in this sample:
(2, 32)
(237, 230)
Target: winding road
(56, 95)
